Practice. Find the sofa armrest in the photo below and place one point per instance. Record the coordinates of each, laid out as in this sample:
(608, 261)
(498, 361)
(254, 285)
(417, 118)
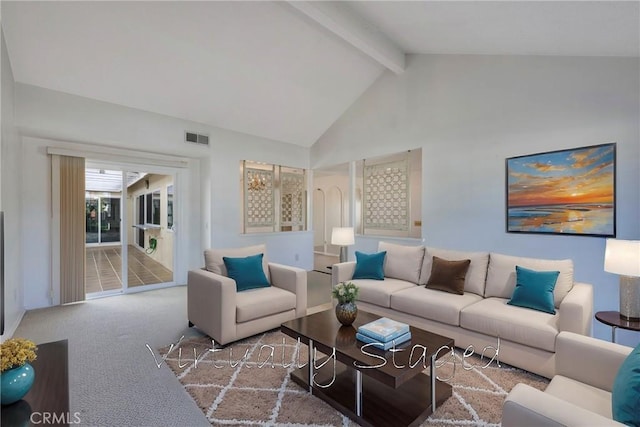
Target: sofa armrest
(292, 279)
(576, 310)
(589, 360)
(211, 304)
(526, 406)
(342, 272)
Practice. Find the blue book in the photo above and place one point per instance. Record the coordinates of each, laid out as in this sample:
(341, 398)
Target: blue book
(383, 329)
(384, 345)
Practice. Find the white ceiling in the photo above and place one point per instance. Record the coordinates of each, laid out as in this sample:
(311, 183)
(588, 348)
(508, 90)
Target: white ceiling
(104, 180)
(568, 28)
(278, 70)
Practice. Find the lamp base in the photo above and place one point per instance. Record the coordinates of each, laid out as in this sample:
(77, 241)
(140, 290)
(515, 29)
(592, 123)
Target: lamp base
(344, 257)
(630, 298)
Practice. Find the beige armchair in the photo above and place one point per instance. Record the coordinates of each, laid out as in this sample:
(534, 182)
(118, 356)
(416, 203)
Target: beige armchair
(580, 392)
(216, 308)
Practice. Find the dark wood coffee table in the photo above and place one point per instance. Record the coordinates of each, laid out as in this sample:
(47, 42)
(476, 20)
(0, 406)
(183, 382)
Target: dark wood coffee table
(390, 391)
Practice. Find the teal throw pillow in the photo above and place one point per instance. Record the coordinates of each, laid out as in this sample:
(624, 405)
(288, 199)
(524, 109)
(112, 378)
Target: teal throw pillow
(534, 289)
(247, 272)
(625, 395)
(369, 266)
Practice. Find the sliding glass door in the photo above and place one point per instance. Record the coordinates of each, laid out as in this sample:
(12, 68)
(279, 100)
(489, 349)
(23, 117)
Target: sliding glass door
(129, 230)
(103, 219)
(93, 228)
(149, 240)
(110, 219)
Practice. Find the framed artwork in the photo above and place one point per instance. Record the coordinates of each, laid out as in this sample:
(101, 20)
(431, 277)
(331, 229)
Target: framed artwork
(563, 192)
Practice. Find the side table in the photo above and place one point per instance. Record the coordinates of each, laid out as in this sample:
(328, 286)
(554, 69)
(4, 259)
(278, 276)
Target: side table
(613, 319)
(47, 402)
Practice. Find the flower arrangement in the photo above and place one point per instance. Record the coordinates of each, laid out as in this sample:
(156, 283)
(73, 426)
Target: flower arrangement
(345, 292)
(16, 352)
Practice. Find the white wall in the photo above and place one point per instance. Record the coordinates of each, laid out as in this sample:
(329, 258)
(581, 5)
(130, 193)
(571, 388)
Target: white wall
(225, 218)
(333, 209)
(10, 200)
(43, 116)
(469, 113)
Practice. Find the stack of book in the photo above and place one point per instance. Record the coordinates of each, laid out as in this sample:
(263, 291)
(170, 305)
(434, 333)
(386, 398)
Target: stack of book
(384, 333)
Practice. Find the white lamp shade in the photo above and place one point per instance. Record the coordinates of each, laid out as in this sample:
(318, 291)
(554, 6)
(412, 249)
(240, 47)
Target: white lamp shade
(342, 236)
(622, 257)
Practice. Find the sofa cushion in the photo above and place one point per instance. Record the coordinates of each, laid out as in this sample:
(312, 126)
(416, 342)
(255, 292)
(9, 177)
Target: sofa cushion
(431, 304)
(476, 275)
(214, 263)
(448, 276)
(580, 394)
(258, 303)
(534, 289)
(494, 317)
(625, 395)
(379, 292)
(247, 272)
(369, 266)
(501, 277)
(402, 262)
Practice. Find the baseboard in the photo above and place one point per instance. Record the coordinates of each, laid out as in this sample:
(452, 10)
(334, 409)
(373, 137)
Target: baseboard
(326, 254)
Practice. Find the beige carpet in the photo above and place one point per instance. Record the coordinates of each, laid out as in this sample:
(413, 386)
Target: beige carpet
(258, 390)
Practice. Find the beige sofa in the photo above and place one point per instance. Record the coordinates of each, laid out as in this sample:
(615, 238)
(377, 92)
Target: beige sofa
(580, 392)
(216, 308)
(527, 338)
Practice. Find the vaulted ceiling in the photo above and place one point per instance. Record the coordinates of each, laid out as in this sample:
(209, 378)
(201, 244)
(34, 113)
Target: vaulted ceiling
(282, 70)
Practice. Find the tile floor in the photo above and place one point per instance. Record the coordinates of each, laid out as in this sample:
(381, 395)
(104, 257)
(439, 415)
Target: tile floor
(104, 267)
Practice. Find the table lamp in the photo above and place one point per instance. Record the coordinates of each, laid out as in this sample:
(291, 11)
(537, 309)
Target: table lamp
(623, 257)
(343, 237)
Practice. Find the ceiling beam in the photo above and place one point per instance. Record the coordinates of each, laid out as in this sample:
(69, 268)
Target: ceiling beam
(346, 24)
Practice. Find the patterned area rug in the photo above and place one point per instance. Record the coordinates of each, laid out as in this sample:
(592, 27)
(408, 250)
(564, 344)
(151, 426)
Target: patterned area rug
(248, 383)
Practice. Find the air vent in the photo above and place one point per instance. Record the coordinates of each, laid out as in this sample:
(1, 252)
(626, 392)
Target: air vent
(196, 138)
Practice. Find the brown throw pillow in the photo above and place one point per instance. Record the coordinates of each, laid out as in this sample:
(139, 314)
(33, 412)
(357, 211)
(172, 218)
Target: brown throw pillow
(448, 276)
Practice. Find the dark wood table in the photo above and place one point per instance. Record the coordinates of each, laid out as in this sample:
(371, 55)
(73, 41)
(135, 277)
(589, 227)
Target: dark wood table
(613, 319)
(366, 384)
(47, 403)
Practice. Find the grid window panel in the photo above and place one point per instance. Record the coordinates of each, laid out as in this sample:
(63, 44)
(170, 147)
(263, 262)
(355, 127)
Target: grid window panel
(259, 193)
(386, 196)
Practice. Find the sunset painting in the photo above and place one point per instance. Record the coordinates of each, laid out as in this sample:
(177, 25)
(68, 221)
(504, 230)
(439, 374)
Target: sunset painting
(563, 192)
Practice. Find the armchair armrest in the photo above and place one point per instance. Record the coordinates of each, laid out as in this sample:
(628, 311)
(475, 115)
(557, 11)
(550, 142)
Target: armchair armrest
(576, 310)
(589, 360)
(342, 272)
(292, 279)
(526, 406)
(211, 304)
